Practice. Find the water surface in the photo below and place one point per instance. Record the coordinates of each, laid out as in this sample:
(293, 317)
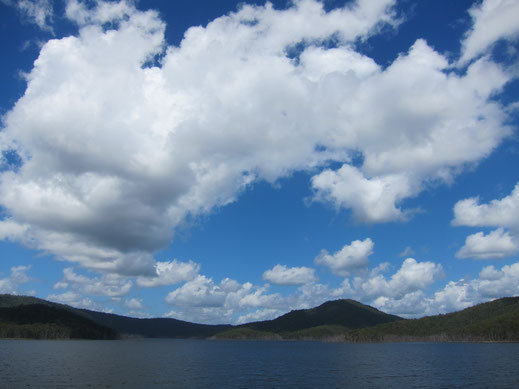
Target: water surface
(171, 363)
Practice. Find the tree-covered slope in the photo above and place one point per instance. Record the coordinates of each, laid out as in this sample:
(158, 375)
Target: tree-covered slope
(496, 320)
(43, 321)
(10, 300)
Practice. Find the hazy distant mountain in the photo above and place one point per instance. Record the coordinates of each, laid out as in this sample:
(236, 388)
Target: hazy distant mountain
(154, 328)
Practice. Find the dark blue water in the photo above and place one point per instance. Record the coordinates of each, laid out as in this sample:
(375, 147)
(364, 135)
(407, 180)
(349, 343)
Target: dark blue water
(151, 363)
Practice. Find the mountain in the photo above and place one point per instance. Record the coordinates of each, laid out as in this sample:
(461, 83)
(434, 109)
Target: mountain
(43, 321)
(496, 320)
(347, 313)
(126, 326)
(340, 320)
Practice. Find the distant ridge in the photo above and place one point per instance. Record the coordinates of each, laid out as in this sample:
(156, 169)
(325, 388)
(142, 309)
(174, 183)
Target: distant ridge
(126, 326)
(339, 320)
(154, 328)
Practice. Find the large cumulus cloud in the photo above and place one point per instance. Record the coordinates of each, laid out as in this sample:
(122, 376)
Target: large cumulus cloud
(117, 149)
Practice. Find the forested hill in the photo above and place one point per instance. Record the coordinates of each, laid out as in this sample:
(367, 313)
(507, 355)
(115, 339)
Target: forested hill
(347, 313)
(10, 300)
(496, 320)
(340, 320)
(126, 326)
(350, 321)
(43, 321)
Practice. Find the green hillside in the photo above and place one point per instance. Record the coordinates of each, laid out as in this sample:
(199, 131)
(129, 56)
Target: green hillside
(496, 320)
(127, 326)
(43, 321)
(10, 300)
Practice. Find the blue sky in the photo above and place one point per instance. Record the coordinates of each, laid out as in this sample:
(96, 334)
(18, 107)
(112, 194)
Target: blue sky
(228, 162)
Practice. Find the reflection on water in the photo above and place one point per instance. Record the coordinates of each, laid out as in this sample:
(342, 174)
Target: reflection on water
(170, 363)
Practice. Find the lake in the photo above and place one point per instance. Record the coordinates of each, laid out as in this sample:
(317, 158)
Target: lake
(172, 363)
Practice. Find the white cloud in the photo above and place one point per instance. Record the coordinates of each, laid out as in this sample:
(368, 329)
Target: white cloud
(282, 275)
(491, 284)
(492, 20)
(39, 12)
(170, 272)
(496, 244)
(401, 159)
(224, 109)
(12, 231)
(200, 292)
(206, 315)
(404, 293)
(410, 305)
(17, 277)
(372, 200)
(260, 315)
(408, 251)
(453, 297)
(354, 256)
(133, 304)
(110, 285)
(103, 12)
(499, 283)
(503, 213)
(73, 299)
(412, 276)
(203, 300)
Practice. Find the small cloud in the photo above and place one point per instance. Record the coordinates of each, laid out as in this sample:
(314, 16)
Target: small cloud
(17, 277)
(352, 257)
(133, 304)
(169, 273)
(110, 285)
(408, 252)
(282, 275)
(259, 315)
(501, 213)
(39, 12)
(496, 244)
(73, 299)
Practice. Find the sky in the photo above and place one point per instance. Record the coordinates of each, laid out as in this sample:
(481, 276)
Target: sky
(226, 162)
